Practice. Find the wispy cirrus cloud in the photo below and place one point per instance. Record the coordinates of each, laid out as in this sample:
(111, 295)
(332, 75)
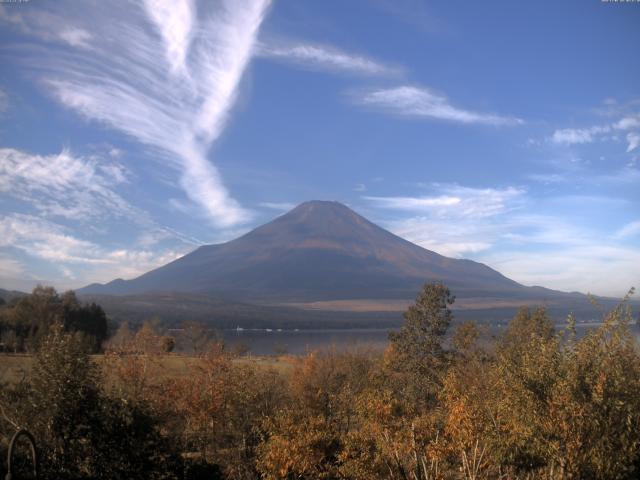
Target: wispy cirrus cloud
(422, 102)
(76, 37)
(631, 229)
(67, 252)
(633, 141)
(456, 200)
(10, 267)
(64, 185)
(630, 122)
(279, 206)
(456, 220)
(571, 136)
(574, 268)
(325, 58)
(74, 188)
(171, 86)
(506, 229)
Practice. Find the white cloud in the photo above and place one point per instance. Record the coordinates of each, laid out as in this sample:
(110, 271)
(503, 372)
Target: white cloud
(499, 228)
(548, 178)
(571, 136)
(46, 240)
(458, 201)
(458, 221)
(576, 136)
(66, 186)
(445, 236)
(628, 123)
(322, 57)
(76, 258)
(77, 189)
(171, 86)
(280, 206)
(422, 102)
(531, 248)
(10, 267)
(629, 230)
(117, 172)
(415, 203)
(115, 152)
(14, 274)
(76, 37)
(633, 139)
(174, 20)
(48, 26)
(577, 268)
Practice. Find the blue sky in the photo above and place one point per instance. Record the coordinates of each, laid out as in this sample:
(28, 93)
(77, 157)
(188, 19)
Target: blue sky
(505, 132)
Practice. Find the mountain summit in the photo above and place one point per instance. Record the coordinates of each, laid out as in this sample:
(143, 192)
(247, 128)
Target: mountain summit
(318, 251)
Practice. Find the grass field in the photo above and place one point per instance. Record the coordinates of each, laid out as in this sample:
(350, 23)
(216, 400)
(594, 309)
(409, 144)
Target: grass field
(14, 367)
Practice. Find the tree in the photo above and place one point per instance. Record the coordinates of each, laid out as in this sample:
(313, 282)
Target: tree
(31, 317)
(198, 336)
(63, 399)
(89, 319)
(305, 439)
(81, 431)
(417, 351)
(168, 343)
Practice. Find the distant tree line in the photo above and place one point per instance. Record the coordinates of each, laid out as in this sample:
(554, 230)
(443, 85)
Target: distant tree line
(25, 321)
(532, 403)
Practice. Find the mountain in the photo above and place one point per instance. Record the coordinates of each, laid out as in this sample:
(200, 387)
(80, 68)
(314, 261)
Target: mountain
(8, 295)
(318, 252)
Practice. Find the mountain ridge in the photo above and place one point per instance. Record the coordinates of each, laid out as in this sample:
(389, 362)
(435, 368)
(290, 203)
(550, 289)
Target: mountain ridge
(312, 251)
(318, 251)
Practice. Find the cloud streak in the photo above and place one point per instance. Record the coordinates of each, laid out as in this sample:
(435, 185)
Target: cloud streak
(171, 86)
(631, 229)
(578, 136)
(420, 102)
(498, 227)
(72, 188)
(572, 136)
(66, 186)
(456, 200)
(457, 221)
(326, 58)
(577, 268)
(54, 243)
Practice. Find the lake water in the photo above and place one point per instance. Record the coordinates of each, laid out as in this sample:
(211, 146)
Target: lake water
(299, 342)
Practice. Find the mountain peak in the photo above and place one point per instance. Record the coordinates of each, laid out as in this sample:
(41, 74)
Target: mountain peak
(318, 250)
(322, 204)
(317, 221)
(321, 207)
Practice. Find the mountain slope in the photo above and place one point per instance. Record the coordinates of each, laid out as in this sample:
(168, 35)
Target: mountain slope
(317, 251)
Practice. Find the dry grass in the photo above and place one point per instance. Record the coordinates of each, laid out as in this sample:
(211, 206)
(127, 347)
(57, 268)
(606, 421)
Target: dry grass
(396, 305)
(14, 367)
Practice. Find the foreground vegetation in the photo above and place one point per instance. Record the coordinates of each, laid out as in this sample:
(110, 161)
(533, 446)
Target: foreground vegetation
(533, 403)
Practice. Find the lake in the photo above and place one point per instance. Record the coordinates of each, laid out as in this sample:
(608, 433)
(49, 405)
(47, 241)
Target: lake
(299, 342)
